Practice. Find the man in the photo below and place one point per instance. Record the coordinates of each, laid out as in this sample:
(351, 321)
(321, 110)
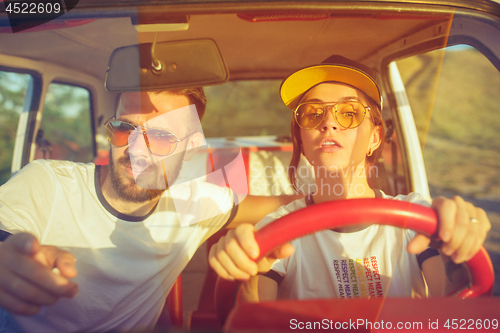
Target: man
(117, 221)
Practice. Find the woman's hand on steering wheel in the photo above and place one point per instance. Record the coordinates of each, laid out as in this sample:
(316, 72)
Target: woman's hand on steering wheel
(462, 228)
(233, 257)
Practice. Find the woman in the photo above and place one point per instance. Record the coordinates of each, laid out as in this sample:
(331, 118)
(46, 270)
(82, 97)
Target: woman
(337, 126)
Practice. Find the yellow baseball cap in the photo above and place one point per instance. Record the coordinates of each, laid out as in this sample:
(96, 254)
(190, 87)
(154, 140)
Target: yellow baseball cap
(334, 69)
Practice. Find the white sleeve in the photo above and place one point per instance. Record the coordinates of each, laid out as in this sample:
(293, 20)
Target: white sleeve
(278, 270)
(280, 266)
(414, 197)
(26, 200)
(202, 204)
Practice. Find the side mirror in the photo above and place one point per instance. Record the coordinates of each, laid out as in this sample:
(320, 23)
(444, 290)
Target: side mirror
(165, 65)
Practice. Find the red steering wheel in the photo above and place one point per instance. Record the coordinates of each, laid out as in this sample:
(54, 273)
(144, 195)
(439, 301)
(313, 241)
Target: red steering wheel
(353, 212)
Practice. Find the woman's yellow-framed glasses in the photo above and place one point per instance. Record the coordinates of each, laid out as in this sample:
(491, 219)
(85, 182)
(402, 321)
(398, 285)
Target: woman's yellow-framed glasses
(348, 114)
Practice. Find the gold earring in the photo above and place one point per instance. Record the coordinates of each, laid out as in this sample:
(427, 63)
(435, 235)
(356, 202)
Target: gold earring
(370, 152)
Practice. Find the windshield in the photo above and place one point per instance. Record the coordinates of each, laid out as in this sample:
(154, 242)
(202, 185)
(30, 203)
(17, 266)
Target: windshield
(437, 67)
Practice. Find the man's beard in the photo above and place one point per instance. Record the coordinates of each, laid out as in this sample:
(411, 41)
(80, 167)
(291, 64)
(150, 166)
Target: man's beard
(131, 191)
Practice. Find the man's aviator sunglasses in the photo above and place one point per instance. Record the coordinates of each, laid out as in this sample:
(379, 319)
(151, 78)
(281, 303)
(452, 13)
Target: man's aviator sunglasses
(348, 114)
(160, 142)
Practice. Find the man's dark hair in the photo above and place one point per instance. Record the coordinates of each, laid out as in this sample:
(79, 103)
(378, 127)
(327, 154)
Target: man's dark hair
(195, 95)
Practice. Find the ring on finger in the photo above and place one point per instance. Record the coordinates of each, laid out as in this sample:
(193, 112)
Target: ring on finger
(473, 220)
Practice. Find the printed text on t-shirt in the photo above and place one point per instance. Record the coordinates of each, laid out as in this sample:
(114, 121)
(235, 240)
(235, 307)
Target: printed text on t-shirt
(358, 278)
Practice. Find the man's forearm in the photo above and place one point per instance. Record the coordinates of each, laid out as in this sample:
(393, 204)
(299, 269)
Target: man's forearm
(253, 208)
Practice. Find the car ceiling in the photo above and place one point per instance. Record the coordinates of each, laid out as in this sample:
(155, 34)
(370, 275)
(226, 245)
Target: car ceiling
(251, 49)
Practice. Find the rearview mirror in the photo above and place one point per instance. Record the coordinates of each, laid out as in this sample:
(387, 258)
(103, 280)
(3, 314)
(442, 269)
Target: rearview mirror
(182, 64)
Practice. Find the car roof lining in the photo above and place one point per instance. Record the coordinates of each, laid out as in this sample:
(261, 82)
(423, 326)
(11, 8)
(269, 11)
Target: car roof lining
(300, 43)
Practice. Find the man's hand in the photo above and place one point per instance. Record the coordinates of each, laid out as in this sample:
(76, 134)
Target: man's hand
(27, 281)
(461, 227)
(233, 256)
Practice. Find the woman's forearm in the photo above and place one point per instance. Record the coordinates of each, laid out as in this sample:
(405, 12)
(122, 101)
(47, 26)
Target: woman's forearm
(258, 288)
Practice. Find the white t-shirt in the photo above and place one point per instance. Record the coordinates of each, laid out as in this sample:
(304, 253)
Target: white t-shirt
(372, 262)
(126, 265)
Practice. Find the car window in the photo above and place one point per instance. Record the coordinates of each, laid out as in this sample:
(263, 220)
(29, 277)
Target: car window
(453, 94)
(390, 175)
(251, 115)
(246, 108)
(12, 92)
(65, 132)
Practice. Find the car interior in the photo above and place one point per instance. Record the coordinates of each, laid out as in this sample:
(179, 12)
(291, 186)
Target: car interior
(438, 64)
